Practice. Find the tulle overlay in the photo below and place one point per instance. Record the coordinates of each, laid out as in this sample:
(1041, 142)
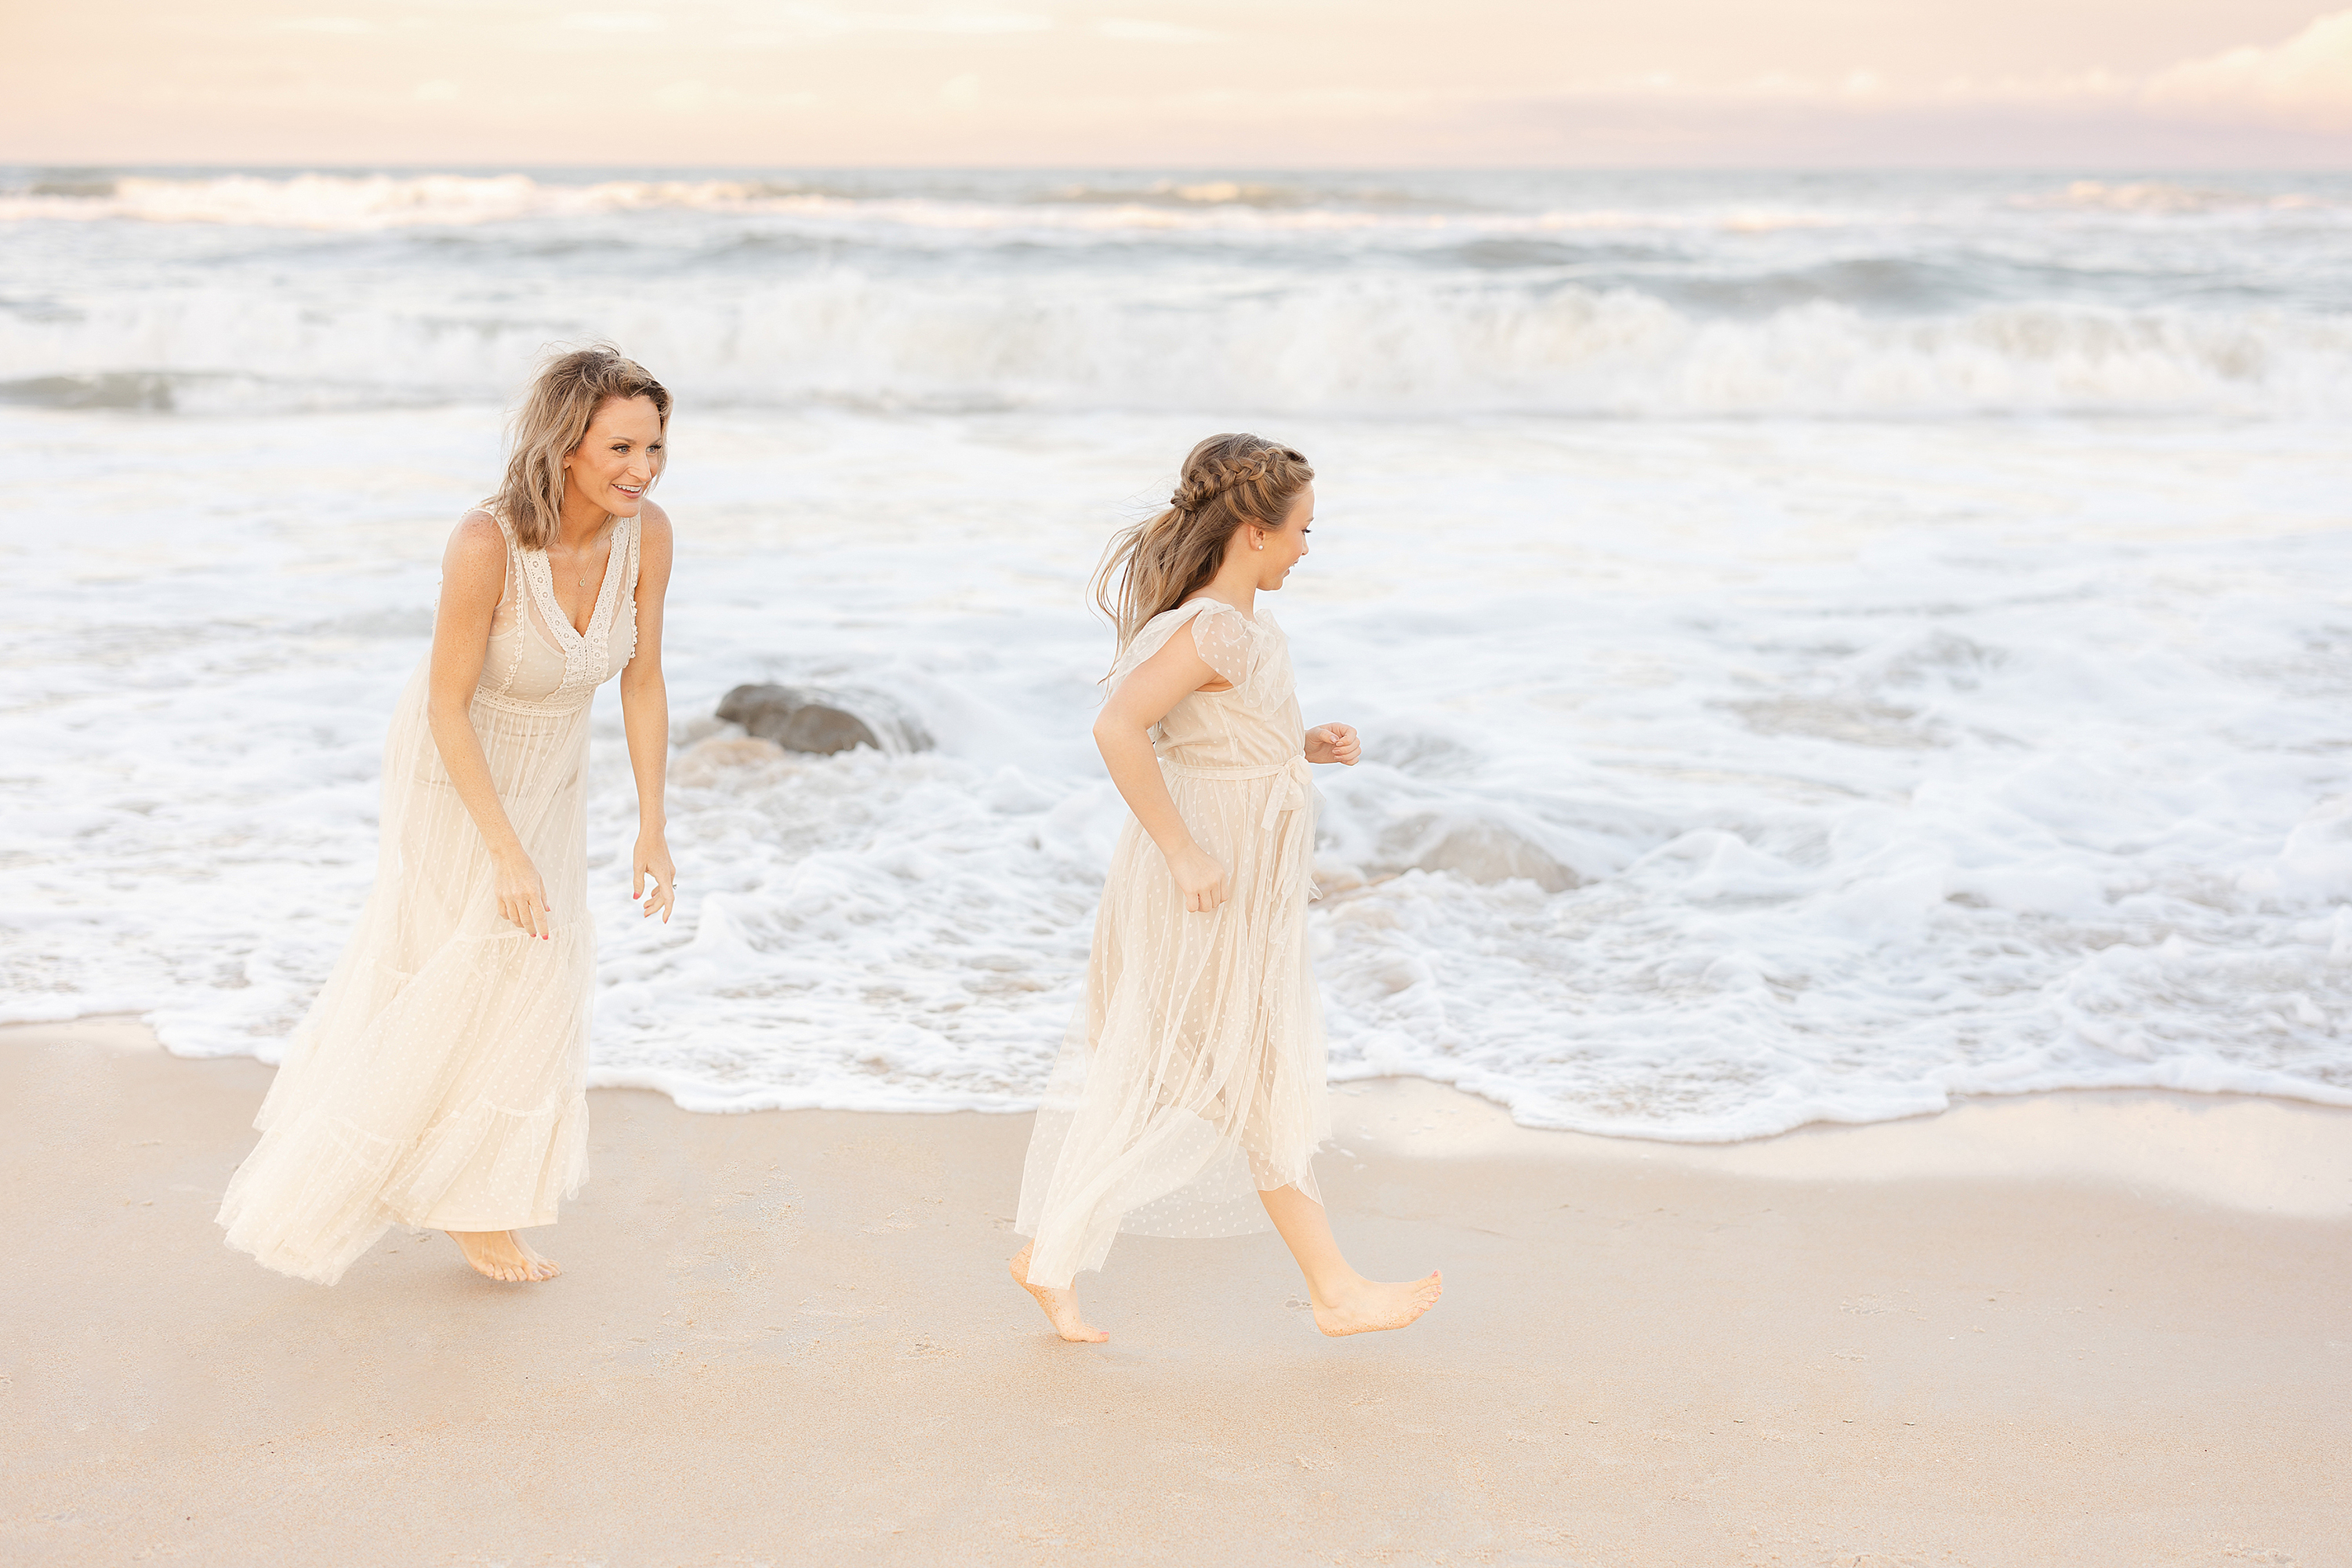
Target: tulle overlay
(439, 1079)
(1193, 1074)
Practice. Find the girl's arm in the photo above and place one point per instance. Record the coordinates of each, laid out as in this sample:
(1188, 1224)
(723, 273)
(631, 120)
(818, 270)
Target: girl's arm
(473, 577)
(1123, 734)
(645, 714)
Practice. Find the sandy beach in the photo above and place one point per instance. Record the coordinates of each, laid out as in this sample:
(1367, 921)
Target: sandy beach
(2088, 1327)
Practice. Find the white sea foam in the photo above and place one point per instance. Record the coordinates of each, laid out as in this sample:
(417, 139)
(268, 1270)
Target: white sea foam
(1720, 778)
(1434, 345)
(243, 293)
(1822, 646)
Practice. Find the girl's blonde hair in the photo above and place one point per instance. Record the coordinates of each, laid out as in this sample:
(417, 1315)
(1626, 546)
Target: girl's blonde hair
(554, 420)
(1227, 481)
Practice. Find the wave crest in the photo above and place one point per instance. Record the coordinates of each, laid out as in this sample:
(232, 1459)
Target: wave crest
(1387, 346)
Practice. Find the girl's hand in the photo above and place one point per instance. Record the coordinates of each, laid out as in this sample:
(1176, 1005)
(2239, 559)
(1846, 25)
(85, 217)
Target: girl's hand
(651, 859)
(523, 897)
(1334, 743)
(1199, 877)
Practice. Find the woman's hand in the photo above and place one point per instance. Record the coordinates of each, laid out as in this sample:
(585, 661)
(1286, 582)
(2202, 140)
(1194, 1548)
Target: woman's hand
(523, 897)
(1334, 743)
(1199, 877)
(651, 859)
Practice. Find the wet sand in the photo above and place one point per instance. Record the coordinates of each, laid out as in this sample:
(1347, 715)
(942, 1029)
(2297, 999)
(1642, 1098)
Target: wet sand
(2079, 1327)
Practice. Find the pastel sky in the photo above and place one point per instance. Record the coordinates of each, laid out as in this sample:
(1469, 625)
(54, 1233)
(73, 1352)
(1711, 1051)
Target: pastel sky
(2005, 83)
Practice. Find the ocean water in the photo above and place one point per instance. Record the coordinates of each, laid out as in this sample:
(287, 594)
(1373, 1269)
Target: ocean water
(1824, 644)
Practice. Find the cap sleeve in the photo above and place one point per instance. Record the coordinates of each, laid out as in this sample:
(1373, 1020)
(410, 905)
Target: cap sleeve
(1219, 633)
(1223, 638)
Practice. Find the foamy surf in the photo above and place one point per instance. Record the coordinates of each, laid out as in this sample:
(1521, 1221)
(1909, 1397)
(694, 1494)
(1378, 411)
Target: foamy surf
(1824, 646)
(1435, 346)
(1674, 297)
(1720, 777)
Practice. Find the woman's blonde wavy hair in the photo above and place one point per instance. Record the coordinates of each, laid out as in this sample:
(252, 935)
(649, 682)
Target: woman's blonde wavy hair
(1227, 481)
(552, 421)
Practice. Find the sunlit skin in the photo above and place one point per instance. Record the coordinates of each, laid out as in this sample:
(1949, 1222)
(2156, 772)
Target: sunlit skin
(1256, 561)
(605, 478)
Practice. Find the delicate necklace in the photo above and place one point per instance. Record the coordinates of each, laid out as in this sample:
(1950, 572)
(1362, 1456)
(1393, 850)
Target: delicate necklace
(582, 550)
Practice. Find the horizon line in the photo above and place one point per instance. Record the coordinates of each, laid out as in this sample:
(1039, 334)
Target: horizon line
(527, 166)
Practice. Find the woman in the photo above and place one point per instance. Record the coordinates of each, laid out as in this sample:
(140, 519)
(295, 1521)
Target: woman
(439, 1079)
(1190, 1095)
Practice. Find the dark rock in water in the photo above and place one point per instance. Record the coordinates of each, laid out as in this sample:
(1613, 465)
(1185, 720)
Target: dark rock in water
(802, 718)
(781, 714)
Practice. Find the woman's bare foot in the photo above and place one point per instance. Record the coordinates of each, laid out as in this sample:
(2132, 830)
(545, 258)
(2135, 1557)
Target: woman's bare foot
(1369, 1306)
(1061, 1306)
(501, 1255)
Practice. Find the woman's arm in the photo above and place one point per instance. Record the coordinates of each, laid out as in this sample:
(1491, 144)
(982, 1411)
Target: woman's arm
(473, 577)
(1123, 734)
(645, 714)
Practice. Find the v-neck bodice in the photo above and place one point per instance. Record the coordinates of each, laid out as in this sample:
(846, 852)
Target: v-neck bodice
(537, 660)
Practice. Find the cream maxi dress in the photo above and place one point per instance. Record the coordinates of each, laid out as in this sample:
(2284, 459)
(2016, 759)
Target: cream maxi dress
(1192, 1075)
(439, 1079)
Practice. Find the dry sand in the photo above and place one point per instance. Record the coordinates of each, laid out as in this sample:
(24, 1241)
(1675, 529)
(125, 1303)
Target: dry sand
(2081, 1329)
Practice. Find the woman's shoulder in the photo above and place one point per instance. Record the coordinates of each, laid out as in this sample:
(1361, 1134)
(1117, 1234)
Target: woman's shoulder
(654, 530)
(479, 538)
(474, 566)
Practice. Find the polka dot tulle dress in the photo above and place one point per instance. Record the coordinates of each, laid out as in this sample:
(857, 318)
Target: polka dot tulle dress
(1192, 1075)
(439, 1079)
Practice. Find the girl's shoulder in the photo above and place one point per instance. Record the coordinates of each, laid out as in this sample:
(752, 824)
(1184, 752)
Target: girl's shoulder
(1212, 633)
(1226, 639)
(1204, 615)
(1209, 613)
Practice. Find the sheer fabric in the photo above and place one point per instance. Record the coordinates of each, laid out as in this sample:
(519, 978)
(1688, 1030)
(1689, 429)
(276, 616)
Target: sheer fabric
(439, 1079)
(1193, 1074)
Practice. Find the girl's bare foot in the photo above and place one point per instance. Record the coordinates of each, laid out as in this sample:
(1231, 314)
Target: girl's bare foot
(501, 1255)
(1061, 1306)
(1368, 1305)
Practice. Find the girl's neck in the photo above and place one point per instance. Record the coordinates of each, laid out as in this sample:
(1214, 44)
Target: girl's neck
(1245, 600)
(1235, 584)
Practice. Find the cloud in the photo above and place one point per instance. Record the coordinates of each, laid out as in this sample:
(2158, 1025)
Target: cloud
(2301, 85)
(321, 26)
(1128, 30)
(1021, 81)
(2305, 83)
(694, 96)
(829, 21)
(614, 22)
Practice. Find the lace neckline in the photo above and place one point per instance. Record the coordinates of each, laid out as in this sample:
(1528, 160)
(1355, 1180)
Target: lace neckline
(583, 650)
(542, 587)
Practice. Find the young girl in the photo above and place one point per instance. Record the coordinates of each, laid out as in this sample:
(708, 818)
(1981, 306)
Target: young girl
(1189, 1099)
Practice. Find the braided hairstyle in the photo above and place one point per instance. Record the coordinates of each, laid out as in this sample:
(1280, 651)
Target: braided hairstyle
(1227, 481)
